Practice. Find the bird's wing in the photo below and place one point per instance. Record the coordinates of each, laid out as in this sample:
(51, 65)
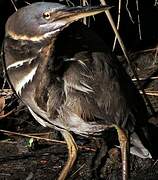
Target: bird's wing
(93, 83)
(103, 90)
(93, 90)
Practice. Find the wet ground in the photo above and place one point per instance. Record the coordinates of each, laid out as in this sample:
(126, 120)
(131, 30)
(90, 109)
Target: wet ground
(47, 162)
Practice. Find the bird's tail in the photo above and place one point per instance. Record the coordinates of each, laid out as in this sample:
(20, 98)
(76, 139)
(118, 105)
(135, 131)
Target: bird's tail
(137, 148)
(143, 141)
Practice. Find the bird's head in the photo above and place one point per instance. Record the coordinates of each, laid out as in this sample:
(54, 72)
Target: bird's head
(42, 20)
(29, 37)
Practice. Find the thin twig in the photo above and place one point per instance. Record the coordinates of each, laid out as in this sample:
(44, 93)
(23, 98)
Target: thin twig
(27, 3)
(70, 3)
(130, 16)
(40, 138)
(150, 93)
(143, 79)
(13, 3)
(156, 55)
(138, 19)
(84, 3)
(126, 56)
(85, 20)
(146, 50)
(7, 114)
(78, 170)
(118, 23)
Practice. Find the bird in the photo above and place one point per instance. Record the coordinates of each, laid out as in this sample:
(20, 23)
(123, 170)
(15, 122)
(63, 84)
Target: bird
(69, 79)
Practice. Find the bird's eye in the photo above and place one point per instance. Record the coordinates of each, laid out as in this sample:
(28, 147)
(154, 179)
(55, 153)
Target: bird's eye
(46, 15)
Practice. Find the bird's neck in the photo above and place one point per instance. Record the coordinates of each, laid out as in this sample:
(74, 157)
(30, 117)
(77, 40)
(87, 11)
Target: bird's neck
(27, 62)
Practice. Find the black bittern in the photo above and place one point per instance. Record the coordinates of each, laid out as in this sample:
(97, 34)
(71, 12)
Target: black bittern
(68, 80)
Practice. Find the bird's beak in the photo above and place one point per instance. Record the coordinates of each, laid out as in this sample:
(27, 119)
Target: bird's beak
(72, 14)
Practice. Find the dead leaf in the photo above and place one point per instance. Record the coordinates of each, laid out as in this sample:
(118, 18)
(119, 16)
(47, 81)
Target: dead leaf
(2, 105)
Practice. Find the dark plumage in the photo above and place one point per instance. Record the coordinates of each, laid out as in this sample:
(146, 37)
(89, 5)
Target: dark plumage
(69, 79)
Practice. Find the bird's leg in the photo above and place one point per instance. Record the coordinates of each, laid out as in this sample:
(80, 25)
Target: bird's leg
(72, 154)
(123, 140)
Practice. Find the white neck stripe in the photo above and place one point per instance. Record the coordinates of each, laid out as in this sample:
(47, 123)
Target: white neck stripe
(20, 63)
(28, 78)
(32, 38)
